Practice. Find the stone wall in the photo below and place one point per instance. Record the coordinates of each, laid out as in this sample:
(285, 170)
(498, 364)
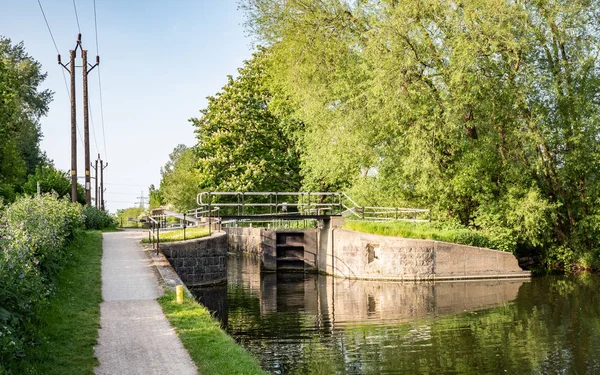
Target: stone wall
(246, 240)
(199, 262)
(369, 256)
(358, 255)
(263, 242)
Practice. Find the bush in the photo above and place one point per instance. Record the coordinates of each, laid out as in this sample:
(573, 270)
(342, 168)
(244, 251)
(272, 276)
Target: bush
(94, 218)
(33, 234)
(447, 231)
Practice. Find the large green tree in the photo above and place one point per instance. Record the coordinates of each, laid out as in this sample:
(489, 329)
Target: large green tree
(22, 103)
(247, 136)
(486, 110)
(179, 180)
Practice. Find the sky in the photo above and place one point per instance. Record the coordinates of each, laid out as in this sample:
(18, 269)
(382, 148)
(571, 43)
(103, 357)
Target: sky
(159, 60)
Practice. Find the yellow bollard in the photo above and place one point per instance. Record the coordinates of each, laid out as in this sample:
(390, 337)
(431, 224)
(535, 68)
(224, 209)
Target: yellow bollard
(179, 293)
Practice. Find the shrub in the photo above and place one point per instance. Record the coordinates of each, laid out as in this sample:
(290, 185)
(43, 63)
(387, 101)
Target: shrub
(95, 218)
(447, 231)
(33, 234)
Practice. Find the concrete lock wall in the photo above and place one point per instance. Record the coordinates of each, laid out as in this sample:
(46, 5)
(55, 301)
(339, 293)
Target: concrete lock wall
(264, 242)
(199, 262)
(368, 256)
(356, 255)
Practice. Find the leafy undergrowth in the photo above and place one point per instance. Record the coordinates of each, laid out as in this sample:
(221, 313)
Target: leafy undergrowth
(428, 231)
(66, 329)
(177, 235)
(213, 351)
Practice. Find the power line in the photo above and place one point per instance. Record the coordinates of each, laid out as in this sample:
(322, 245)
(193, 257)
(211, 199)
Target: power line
(100, 84)
(48, 26)
(96, 27)
(93, 129)
(53, 42)
(126, 185)
(76, 17)
(58, 52)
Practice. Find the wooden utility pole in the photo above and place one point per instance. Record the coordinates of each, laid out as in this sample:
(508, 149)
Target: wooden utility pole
(102, 168)
(71, 70)
(97, 201)
(86, 127)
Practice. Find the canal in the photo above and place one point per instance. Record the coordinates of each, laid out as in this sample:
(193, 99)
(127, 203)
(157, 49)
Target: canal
(315, 324)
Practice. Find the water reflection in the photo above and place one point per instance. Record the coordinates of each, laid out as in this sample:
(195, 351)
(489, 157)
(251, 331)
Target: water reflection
(305, 324)
(338, 302)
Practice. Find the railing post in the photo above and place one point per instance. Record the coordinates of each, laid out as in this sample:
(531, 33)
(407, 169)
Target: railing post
(157, 237)
(209, 223)
(184, 226)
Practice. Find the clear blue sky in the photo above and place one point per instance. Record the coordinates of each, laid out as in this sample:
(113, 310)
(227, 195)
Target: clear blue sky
(159, 61)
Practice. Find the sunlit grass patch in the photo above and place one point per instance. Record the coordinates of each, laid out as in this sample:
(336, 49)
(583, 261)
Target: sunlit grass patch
(426, 231)
(213, 351)
(177, 235)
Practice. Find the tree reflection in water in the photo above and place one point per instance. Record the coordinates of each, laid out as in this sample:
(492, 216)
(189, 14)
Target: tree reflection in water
(314, 324)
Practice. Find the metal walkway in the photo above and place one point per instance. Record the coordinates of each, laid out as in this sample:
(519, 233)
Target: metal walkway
(296, 206)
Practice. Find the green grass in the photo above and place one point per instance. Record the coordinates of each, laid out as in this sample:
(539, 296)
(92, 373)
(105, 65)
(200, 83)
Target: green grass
(213, 351)
(67, 329)
(427, 231)
(111, 229)
(177, 235)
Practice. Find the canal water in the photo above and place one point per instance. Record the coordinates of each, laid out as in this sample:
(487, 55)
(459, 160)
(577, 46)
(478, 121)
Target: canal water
(315, 324)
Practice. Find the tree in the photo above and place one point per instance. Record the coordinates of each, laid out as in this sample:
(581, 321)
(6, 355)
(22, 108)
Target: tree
(21, 106)
(157, 198)
(246, 139)
(180, 179)
(52, 180)
(486, 111)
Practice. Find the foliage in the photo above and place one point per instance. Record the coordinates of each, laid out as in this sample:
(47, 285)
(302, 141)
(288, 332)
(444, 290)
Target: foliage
(34, 232)
(177, 235)
(66, 328)
(246, 141)
(432, 231)
(180, 180)
(123, 216)
(211, 349)
(94, 218)
(157, 198)
(52, 180)
(484, 111)
(21, 106)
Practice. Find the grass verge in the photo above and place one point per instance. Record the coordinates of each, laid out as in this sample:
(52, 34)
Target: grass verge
(177, 235)
(67, 328)
(426, 231)
(213, 351)
(111, 229)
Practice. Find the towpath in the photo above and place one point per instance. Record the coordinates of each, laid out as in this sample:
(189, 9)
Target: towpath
(135, 337)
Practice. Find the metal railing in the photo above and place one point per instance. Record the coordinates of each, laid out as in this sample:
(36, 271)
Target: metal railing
(277, 203)
(294, 204)
(154, 233)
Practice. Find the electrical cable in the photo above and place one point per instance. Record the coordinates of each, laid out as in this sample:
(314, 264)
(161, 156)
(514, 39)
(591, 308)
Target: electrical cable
(76, 17)
(93, 129)
(58, 52)
(100, 84)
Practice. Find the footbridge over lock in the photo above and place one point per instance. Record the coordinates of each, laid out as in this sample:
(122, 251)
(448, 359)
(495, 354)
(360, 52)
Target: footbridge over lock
(324, 246)
(296, 206)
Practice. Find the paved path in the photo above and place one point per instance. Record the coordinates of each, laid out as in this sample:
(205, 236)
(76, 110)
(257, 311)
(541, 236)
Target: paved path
(135, 337)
